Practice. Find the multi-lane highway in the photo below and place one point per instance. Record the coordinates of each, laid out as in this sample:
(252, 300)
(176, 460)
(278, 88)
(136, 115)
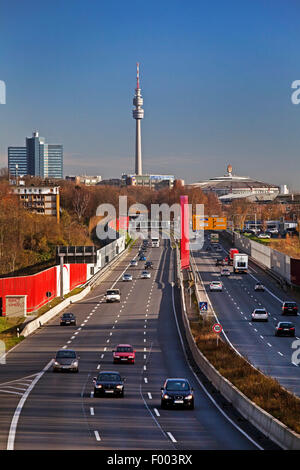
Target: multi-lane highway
(43, 410)
(233, 306)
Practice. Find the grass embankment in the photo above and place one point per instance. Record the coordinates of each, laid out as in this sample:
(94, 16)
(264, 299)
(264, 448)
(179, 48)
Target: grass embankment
(263, 390)
(8, 331)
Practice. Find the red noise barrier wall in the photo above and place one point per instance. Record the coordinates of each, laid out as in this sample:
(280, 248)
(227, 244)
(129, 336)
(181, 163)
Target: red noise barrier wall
(38, 285)
(36, 288)
(184, 242)
(78, 275)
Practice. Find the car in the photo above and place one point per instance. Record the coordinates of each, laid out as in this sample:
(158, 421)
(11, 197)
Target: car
(68, 319)
(284, 329)
(177, 392)
(219, 262)
(259, 314)
(124, 353)
(289, 307)
(109, 383)
(263, 235)
(127, 277)
(216, 286)
(142, 258)
(225, 272)
(259, 287)
(148, 265)
(113, 295)
(133, 262)
(66, 360)
(145, 275)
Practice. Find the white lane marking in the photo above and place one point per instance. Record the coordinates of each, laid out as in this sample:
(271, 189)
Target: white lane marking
(156, 412)
(97, 436)
(102, 356)
(146, 380)
(92, 411)
(150, 396)
(269, 345)
(72, 337)
(261, 336)
(110, 333)
(144, 340)
(16, 388)
(76, 332)
(12, 393)
(17, 413)
(78, 329)
(98, 366)
(107, 340)
(105, 348)
(145, 368)
(92, 394)
(145, 357)
(68, 342)
(280, 353)
(171, 437)
(64, 347)
(145, 349)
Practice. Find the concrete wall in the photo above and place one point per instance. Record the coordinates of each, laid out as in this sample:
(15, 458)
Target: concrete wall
(281, 264)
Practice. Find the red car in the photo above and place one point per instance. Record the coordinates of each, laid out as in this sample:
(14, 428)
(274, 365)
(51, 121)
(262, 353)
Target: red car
(124, 353)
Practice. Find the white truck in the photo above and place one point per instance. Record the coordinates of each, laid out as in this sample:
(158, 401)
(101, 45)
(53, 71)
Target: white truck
(155, 242)
(240, 263)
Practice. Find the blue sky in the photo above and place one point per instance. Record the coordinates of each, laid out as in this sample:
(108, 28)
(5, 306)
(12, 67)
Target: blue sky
(215, 76)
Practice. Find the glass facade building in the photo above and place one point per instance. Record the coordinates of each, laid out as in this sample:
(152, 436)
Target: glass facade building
(38, 158)
(17, 161)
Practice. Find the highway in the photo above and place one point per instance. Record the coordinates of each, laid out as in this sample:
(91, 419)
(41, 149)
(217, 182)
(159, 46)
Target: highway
(233, 307)
(59, 411)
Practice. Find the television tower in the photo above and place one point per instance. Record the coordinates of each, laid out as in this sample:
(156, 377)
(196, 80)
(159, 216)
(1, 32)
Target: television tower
(138, 114)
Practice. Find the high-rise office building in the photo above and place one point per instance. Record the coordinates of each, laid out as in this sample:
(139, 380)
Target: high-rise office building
(42, 159)
(17, 161)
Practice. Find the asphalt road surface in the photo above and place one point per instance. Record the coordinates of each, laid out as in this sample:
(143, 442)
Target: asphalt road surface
(43, 410)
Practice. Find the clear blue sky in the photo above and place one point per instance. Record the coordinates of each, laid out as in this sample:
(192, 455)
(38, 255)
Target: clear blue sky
(215, 75)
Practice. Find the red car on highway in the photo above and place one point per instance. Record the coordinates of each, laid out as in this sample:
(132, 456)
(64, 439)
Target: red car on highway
(124, 353)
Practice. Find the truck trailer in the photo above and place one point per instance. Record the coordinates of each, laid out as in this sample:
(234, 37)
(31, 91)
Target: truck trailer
(240, 263)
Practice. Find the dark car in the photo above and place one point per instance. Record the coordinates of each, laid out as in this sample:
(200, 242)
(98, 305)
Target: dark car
(289, 308)
(219, 262)
(142, 258)
(177, 393)
(66, 359)
(148, 265)
(108, 383)
(285, 329)
(259, 287)
(68, 319)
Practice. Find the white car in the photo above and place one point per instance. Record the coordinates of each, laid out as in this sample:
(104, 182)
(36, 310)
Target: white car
(133, 262)
(127, 277)
(259, 314)
(113, 295)
(263, 235)
(216, 286)
(225, 272)
(145, 275)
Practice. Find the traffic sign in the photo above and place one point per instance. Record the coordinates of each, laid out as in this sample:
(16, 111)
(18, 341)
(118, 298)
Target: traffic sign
(217, 328)
(203, 306)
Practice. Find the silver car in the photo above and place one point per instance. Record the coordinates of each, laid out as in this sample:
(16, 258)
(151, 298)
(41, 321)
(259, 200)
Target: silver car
(66, 359)
(127, 277)
(145, 275)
